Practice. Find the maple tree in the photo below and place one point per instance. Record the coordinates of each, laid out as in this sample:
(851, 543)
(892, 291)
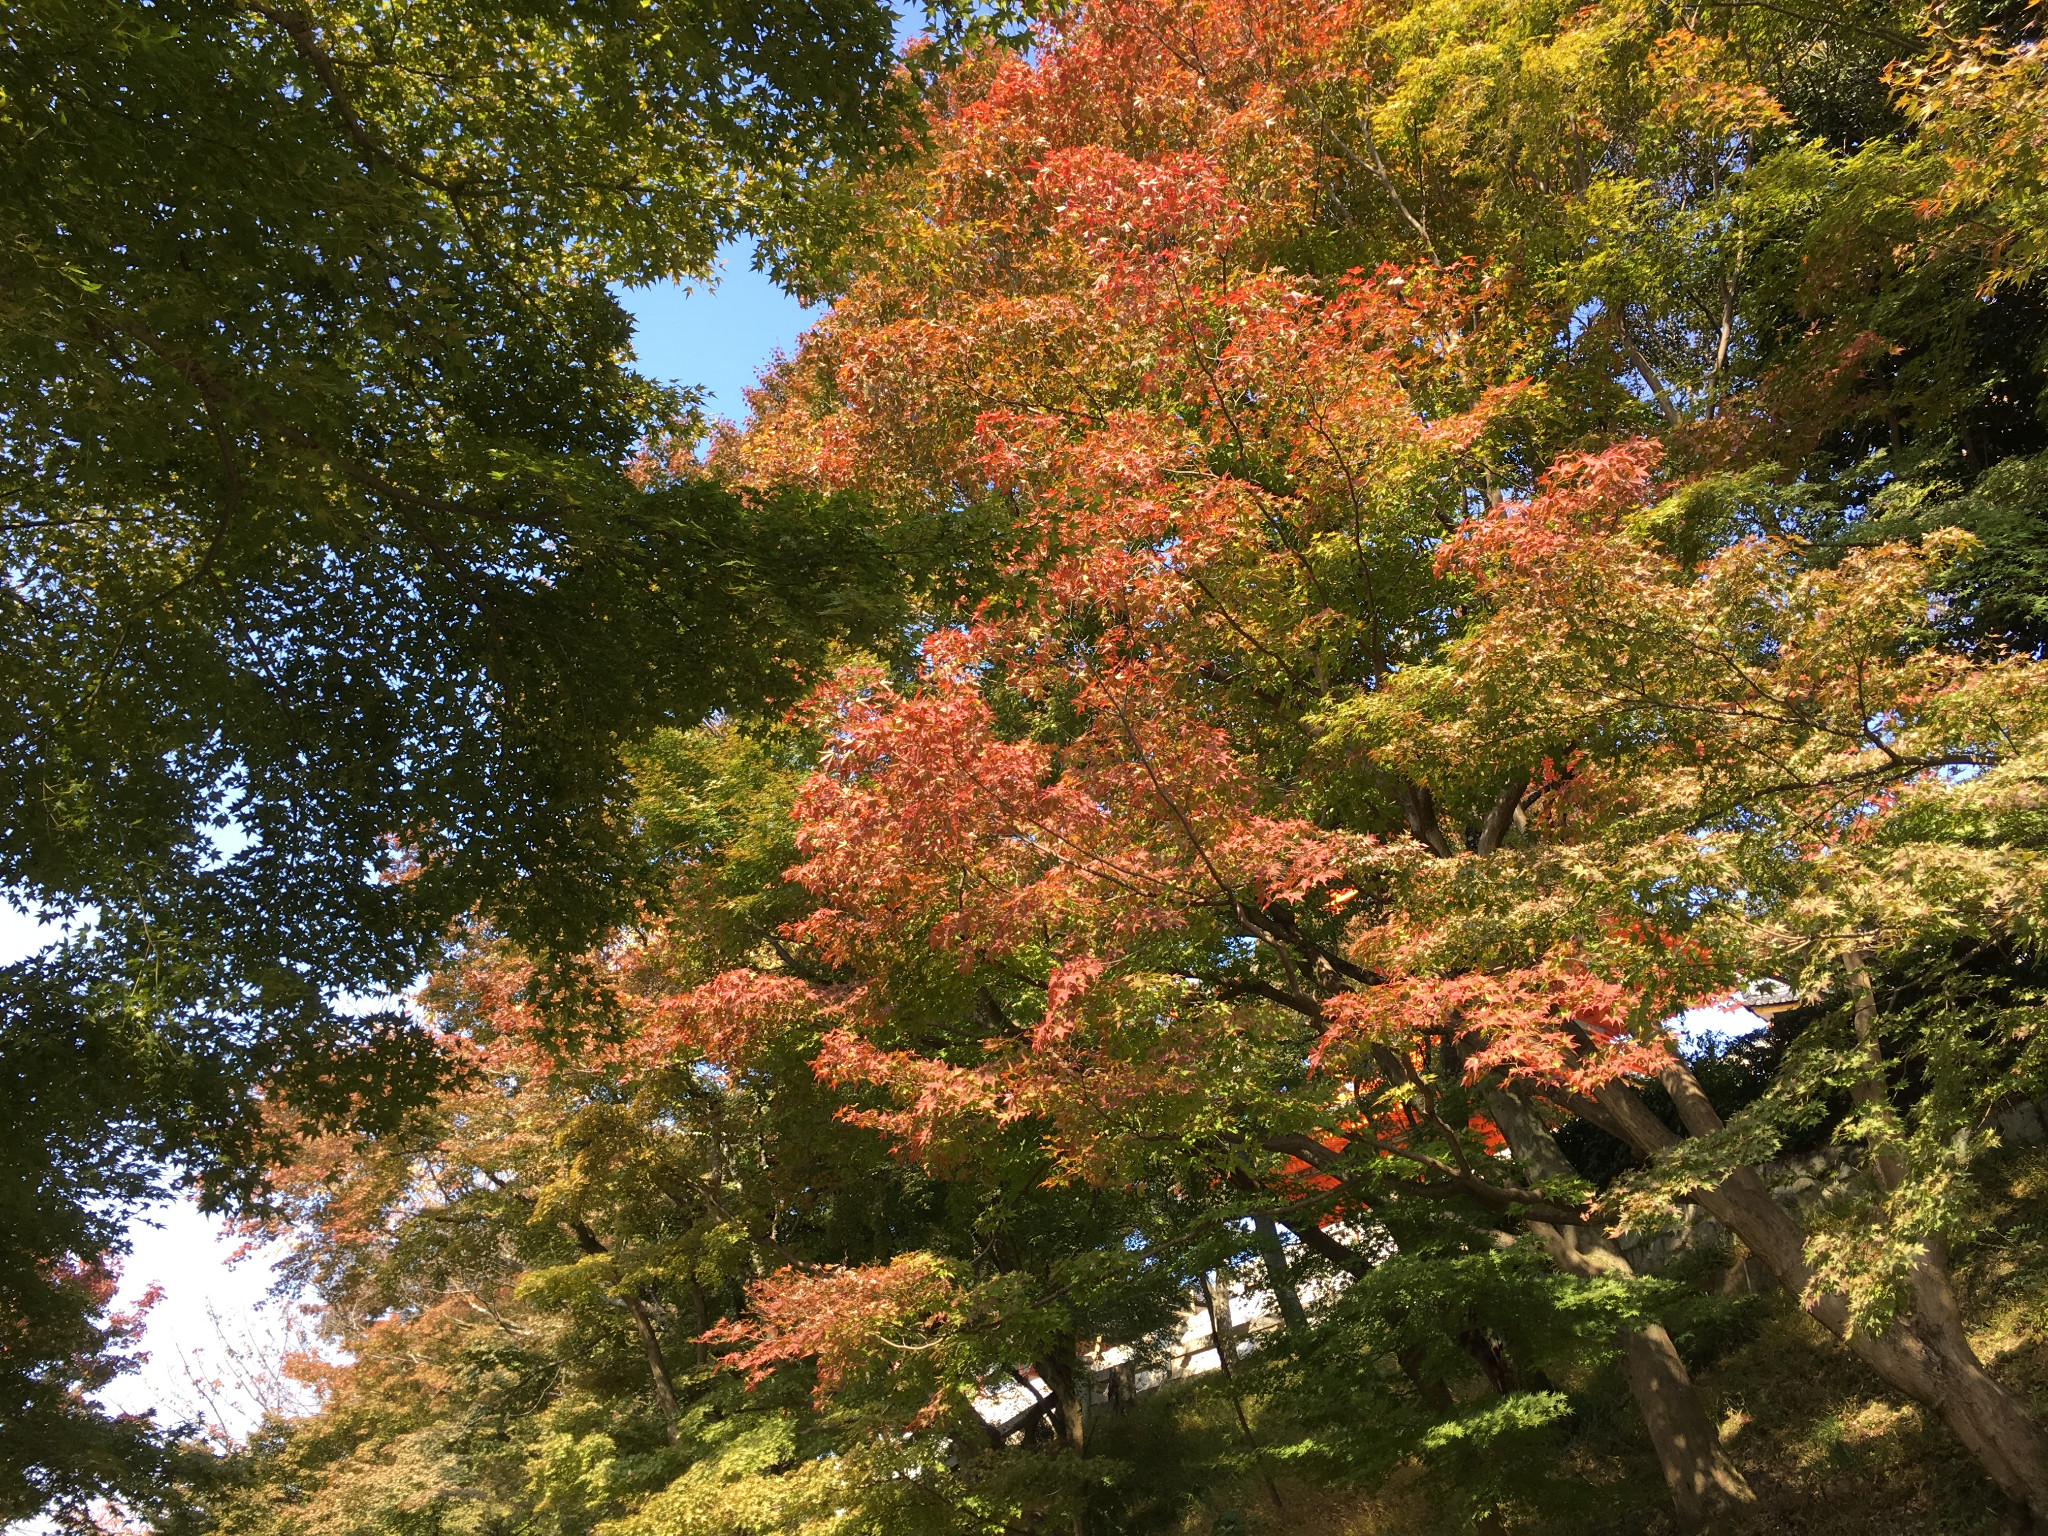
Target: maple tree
(1447, 536)
(1788, 779)
(551, 1253)
(1133, 791)
(68, 1455)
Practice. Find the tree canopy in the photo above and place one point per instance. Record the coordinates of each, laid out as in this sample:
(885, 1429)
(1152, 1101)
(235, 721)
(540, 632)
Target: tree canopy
(328, 603)
(1330, 571)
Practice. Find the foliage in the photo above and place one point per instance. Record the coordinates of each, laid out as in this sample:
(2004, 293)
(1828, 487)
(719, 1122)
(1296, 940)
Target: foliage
(327, 607)
(1444, 536)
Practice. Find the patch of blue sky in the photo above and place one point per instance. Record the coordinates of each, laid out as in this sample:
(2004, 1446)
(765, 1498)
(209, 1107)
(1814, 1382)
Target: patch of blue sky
(715, 337)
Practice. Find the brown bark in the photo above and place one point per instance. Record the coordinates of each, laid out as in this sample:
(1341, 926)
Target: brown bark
(999, 1434)
(1419, 807)
(1925, 1353)
(643, 1325)
(1705, 1485)
(1502, 816)
(657, 1364)
(1319, 1242)
(1870, 1089)
(1057, 1372)
(1433, 1390)
(1492, 1360)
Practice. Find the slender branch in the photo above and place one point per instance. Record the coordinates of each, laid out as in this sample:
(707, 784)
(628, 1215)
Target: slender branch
(1319, 1242)
(1308, 1007)
(643, 1325)
(299, 28)
(1378, 168)
(1195, 843)
(1641, 364)
(1224, 1350)
(999, 1434)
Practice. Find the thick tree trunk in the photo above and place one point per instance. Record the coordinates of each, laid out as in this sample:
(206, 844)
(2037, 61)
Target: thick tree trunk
(1705, 1485)
(1926, 1353)
(1434, 1391)
(1419, 806)
(1058, 1371)
(1500, 1372)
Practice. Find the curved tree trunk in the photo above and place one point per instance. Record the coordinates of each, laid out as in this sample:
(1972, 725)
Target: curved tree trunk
(1705, 1485)
(1925, 1353)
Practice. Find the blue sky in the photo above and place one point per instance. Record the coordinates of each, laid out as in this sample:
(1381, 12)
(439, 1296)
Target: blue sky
(719, 338)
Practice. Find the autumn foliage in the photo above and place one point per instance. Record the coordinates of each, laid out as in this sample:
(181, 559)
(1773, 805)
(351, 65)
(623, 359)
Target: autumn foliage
(1435, 553)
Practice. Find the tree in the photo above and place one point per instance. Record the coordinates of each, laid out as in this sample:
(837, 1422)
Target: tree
(535, 1277)
(1832, 797)
(68, 1453)
(1439, 578)
(321, 566)
(1097, 764)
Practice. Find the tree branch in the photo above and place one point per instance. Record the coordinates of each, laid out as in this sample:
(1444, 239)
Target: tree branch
(1641, 364)
(1502, 816)
(1378, 168)
(299, 28)
(1418, 805)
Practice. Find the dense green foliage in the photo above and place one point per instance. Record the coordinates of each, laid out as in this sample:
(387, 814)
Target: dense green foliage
(318, 542)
